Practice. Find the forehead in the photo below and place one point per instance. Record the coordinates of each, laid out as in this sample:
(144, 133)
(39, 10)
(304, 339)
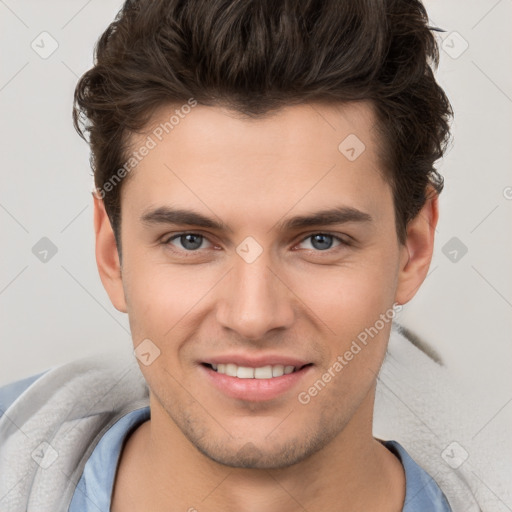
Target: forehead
(312, 128)
(217, 159)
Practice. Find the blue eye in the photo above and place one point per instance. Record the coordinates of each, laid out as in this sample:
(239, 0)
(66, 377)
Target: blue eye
(322, 241)
(188, 241)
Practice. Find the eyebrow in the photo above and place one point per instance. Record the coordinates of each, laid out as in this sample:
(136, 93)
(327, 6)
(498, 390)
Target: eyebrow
(178, 216)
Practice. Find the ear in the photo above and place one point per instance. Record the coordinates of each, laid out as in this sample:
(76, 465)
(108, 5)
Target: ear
(107, 257)
(416, 252)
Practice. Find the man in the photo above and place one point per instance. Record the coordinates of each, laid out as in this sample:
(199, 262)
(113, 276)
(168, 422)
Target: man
(265, 203)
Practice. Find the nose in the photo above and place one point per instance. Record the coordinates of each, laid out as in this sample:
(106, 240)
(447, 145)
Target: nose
(255, 299)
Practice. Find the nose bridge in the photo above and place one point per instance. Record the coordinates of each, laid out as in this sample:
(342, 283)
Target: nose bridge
(255, 300)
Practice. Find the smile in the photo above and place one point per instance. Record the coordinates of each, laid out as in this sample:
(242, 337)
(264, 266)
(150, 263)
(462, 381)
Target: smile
(255, 383)
(246, 372)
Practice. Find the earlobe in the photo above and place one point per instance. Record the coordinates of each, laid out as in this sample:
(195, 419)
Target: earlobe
(417, 250)
(107, 257)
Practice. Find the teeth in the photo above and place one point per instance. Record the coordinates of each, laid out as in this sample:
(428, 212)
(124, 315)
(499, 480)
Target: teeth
(231, 370)
(245, 372)
(265, 372)
(277, 370)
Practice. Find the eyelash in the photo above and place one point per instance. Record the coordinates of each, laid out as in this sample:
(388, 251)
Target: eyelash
(167, 242)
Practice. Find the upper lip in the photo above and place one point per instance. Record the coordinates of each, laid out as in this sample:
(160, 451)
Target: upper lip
(256, 361)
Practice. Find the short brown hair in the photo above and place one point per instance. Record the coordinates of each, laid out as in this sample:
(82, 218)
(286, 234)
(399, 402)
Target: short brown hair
(255, 56)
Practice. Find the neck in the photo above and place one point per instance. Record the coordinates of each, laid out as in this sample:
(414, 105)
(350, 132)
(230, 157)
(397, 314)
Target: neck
(352, 472)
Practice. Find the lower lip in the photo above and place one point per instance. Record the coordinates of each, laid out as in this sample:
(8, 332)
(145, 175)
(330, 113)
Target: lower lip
(254, 390)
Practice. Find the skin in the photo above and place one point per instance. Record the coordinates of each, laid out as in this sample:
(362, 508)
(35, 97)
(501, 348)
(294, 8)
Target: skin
(203, 450)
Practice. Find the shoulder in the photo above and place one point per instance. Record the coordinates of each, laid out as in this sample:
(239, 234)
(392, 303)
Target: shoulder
(76, 386)
(56, 419)
(423, 406)
(11, 391)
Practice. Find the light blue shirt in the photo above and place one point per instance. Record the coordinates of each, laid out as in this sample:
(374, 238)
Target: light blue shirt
(94, 490)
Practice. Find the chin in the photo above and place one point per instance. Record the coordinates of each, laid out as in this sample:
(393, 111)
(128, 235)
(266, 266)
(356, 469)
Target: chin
(263, 454)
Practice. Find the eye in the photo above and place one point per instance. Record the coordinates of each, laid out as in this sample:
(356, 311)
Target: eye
(188, 241)
(323, 241)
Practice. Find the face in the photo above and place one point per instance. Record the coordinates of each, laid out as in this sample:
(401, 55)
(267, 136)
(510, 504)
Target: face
(256, 255)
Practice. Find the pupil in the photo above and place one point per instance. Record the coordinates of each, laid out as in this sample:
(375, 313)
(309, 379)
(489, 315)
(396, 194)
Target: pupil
(325, 241)
(188, 241)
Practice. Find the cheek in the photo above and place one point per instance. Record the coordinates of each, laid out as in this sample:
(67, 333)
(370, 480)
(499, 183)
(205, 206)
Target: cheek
(354, 310)
(160, 295)
(347, 298)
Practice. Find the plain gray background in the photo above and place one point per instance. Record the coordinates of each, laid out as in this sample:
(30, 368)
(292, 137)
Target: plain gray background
(57, 310)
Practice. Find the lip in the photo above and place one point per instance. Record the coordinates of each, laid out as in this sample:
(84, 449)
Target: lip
(255, 390)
